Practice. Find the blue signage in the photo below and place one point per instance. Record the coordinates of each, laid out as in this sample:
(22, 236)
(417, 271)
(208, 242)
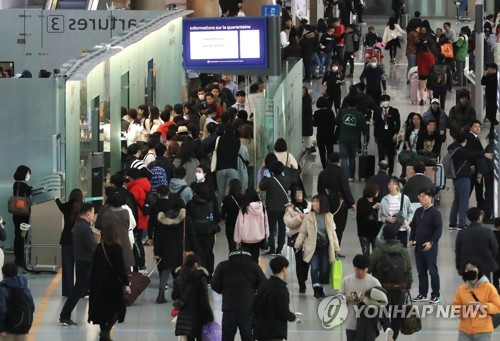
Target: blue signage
(270, 10)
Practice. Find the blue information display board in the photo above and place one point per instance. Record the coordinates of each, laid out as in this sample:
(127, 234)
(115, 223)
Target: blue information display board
(270, 10)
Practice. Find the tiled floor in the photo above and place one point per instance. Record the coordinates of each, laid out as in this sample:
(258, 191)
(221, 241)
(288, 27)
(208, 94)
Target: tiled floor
(149, 321)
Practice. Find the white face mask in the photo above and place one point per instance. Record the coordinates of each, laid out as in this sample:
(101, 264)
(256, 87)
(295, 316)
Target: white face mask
(201, 97)
(373, 65)
(199, 176)
(385, 104)
(28, 177)
(335, 68)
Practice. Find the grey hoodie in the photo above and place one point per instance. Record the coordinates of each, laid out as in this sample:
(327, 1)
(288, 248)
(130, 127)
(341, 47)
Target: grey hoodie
(176, 184)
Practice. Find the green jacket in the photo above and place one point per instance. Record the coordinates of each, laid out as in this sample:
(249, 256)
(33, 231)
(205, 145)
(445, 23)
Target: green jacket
(351, 42)
(390, 246)
(462, 45)
(350, 125)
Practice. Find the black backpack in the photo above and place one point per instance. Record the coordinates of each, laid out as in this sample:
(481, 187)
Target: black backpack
(175, 196)
(151, 199)
(20, 309)
(392, 271)
(202, 214)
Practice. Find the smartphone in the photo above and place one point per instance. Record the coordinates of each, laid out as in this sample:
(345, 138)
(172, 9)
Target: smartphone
(267, 173)
(306, 210)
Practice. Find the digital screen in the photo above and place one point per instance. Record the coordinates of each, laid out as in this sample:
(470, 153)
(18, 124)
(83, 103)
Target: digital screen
(224, 43)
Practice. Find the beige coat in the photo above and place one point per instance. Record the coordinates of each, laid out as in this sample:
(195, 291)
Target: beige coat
(292, 219)
(308, 234)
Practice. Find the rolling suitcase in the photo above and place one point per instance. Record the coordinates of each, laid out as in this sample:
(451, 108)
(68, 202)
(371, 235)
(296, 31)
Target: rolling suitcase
(138, 283)
(366, 164)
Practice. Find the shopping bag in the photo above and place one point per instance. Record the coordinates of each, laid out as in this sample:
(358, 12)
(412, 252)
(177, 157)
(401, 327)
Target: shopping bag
(211, 332)
(335, 274)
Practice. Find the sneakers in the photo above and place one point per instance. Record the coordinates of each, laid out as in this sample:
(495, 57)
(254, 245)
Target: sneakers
(67, 322)
(452, 227)
(270, 253)
(435, 300)
(420, 298)
(389, 334)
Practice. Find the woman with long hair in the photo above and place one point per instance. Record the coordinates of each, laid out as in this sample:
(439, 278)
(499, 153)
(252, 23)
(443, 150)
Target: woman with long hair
(70, 210)
(108, 282)
(251, 228)
(172, 150)
(191, 298)
(186, 158)
(318, 240)
(367, 217)
(246, 138)
(21, 189)
(231, 205)
(135, 127)
(414, 127)
(152, 123)
(392, 32)
(307, 120)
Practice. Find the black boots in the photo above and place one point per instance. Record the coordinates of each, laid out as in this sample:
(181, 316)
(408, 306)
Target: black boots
(161, 297)
(318, 292)
(302, 288)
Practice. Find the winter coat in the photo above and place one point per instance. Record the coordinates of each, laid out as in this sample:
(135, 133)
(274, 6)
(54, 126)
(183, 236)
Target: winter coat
(487, 294)
(324, 120)
(390, 246)
(198, 209)
(230, 210)
(276, 192)
(350, 125)
(107, 278)
(293, 219)
(367, 219)
(118, 219)
(442, 125)
(69, 221)
(308, 235)
(195, 310)
(237, 280)
(307, 118)
(19, 282)
(253, 226)
(168, 228)
(139, 188)
(460, 118)
(476, 244)
(271, 310)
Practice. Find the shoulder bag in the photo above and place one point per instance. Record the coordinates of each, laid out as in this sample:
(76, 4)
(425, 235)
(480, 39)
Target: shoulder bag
(286, 193)
(411, 322)
(291, 173)
(19, 205)
(400, 219)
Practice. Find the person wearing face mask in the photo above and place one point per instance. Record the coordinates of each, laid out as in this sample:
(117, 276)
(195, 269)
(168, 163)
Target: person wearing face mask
(374, 77)
(332, 85)
(202, 174)
(21, 189)
(387, 123)
(475, 293)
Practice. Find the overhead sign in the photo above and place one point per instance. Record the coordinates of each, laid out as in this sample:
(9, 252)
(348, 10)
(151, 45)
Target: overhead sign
(270, 10)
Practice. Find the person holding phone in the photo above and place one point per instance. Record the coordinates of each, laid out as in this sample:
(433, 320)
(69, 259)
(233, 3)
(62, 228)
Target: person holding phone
(475, 293)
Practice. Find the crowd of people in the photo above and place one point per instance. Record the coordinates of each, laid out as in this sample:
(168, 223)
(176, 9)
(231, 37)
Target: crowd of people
(192, 166)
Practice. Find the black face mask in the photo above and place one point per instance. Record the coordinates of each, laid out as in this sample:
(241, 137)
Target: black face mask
(470, 275)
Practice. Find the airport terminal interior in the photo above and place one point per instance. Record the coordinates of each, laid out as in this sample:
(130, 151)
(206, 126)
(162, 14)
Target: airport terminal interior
(148, 321)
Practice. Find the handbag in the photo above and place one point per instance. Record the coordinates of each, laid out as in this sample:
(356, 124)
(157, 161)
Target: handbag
(336, 274)
(291, 173)
(211, 332)
(411, 322)
(19, 205)
(184, 252)
(290, 241)
(400, 219)
(322, 243)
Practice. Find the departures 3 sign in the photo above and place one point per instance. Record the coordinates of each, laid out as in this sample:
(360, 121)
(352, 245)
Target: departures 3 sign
(59, 24)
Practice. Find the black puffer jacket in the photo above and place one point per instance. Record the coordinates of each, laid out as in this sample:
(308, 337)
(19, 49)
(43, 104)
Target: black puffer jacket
(271, 311)
(237, 279)
(195, 311)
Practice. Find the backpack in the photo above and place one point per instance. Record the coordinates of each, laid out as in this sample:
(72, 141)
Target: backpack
(449, 166)
(132, 204)
(158, 178)
(151, 199)
(202, 215)
(447, 50)
(20, 309)
(392, 271)
(439, 75)
(177, 195)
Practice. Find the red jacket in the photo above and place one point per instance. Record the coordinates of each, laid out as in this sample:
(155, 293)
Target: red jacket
(425, 61)
(139, 188)
(338, 33)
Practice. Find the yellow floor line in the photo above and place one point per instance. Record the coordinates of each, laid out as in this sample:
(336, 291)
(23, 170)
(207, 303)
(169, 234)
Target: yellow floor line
(40, 311)
(262, 264)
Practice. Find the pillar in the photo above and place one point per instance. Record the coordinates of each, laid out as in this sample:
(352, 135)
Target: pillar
(253, 7)
(313, 13)
(203, 8)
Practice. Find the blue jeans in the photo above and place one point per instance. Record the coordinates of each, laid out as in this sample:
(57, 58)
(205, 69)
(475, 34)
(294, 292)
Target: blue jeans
(348, 158)
(461, 190)
(223, 178)
(461, 79)
(325, 62)
(319, 267)
(412, 61)
(427, 265)
(314, 63)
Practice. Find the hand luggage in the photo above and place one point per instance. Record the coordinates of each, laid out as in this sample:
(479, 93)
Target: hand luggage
(366, 164)
(138, 283)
